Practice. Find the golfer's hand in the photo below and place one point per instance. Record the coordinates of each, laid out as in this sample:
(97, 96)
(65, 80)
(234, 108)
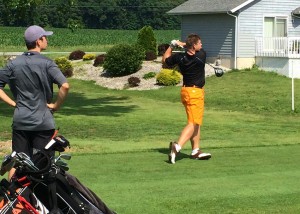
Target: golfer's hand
(52, 107)
(180, 44)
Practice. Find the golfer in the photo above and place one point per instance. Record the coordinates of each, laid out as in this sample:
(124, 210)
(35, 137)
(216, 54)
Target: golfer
(191, 64)
(30, 77)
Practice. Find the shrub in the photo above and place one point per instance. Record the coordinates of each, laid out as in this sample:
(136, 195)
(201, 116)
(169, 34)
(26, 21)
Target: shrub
(133, 81)
(146, 39)
(161, 49)
(65, 66)
(150, 55)
(74, 24)
(99, 60)
(5, 59)
(168, 77)
(123, 59)
(149, 75)
(76, 55)
(89, 57)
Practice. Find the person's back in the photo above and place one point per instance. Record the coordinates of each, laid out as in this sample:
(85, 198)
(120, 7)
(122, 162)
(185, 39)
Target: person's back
(31, 79)
(191, 67)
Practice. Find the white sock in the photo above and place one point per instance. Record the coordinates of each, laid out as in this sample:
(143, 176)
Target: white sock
(195, 151)
(177, 147)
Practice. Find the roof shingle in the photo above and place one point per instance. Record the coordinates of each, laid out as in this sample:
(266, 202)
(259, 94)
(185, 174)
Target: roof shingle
(207, 6)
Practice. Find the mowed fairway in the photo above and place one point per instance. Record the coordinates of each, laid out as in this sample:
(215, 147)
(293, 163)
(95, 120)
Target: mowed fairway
(120, 139)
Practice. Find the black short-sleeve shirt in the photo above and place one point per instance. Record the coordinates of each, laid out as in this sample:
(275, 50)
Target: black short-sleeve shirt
(192, 67)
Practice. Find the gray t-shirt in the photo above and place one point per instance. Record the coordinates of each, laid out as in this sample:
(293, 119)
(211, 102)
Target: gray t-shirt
(31, 77)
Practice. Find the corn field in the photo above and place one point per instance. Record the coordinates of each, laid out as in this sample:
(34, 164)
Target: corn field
(11, 38)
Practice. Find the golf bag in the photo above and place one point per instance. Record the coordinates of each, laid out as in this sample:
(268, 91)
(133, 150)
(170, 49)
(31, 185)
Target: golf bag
(16, 199)
(71, 195)
(59, 191)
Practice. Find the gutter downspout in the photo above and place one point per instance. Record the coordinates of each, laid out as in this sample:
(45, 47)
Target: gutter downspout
(236, 37)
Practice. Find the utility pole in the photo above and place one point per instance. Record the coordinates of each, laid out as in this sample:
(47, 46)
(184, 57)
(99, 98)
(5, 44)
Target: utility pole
(293, 87)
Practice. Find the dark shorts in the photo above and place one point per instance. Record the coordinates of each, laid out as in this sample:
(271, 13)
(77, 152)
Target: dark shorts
(27, 141)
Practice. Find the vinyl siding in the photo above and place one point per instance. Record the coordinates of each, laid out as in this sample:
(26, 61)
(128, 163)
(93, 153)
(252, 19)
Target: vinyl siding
(216, 32)
(251, 19)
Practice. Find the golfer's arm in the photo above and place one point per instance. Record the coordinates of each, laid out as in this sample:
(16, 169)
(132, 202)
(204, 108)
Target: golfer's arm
(167, 54)
(61, 96)
(7, 99)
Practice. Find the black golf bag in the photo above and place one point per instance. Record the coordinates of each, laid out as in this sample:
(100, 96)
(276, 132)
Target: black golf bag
(72, 196)
(57, 190)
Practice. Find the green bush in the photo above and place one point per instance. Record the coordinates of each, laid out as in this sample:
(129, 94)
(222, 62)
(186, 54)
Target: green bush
(149, 75)
(147, 40)
(2, 61)
(168, 77)
(123, 59)
(5, 59)
(65, 66)
(89, 57)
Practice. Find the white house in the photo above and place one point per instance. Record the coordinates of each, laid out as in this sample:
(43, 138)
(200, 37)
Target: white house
(243, 33)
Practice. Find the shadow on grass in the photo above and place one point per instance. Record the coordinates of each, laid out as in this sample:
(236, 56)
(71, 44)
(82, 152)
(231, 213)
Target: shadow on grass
(78, 104)
(166, 152)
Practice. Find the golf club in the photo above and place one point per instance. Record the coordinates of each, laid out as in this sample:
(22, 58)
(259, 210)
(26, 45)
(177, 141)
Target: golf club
(24, 160)
(218, 71)
(60, 163)
(63, 165)
(63, 156)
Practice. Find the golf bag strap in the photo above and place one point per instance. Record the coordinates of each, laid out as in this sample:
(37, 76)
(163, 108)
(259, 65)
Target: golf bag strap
(27, 205)
(24, 181)
(87, 193)
(61, 178)
(52, 192)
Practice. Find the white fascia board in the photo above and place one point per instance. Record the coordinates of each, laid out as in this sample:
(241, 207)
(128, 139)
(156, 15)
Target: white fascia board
(241, 6)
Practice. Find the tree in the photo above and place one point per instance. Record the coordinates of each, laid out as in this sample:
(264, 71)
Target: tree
(104, 14)
(20, 12)
(147, 40)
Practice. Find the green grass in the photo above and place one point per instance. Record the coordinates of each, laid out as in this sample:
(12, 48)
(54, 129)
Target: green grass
(119, 142)
(64, 40)
(235, 180)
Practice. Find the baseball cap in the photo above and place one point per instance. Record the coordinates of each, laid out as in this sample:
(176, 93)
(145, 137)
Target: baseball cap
(35, 32)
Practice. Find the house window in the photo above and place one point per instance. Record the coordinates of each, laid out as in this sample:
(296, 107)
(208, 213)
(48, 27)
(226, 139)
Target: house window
(275, 27)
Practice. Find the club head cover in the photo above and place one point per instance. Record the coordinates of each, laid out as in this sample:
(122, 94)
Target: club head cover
(58, 143)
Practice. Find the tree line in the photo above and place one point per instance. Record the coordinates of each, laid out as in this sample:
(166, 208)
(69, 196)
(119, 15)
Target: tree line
(92, 14)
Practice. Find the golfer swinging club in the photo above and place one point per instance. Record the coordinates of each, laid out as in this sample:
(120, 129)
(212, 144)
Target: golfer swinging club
(191, 65)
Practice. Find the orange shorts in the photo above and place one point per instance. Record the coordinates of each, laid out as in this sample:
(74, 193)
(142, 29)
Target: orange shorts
(193, 100)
